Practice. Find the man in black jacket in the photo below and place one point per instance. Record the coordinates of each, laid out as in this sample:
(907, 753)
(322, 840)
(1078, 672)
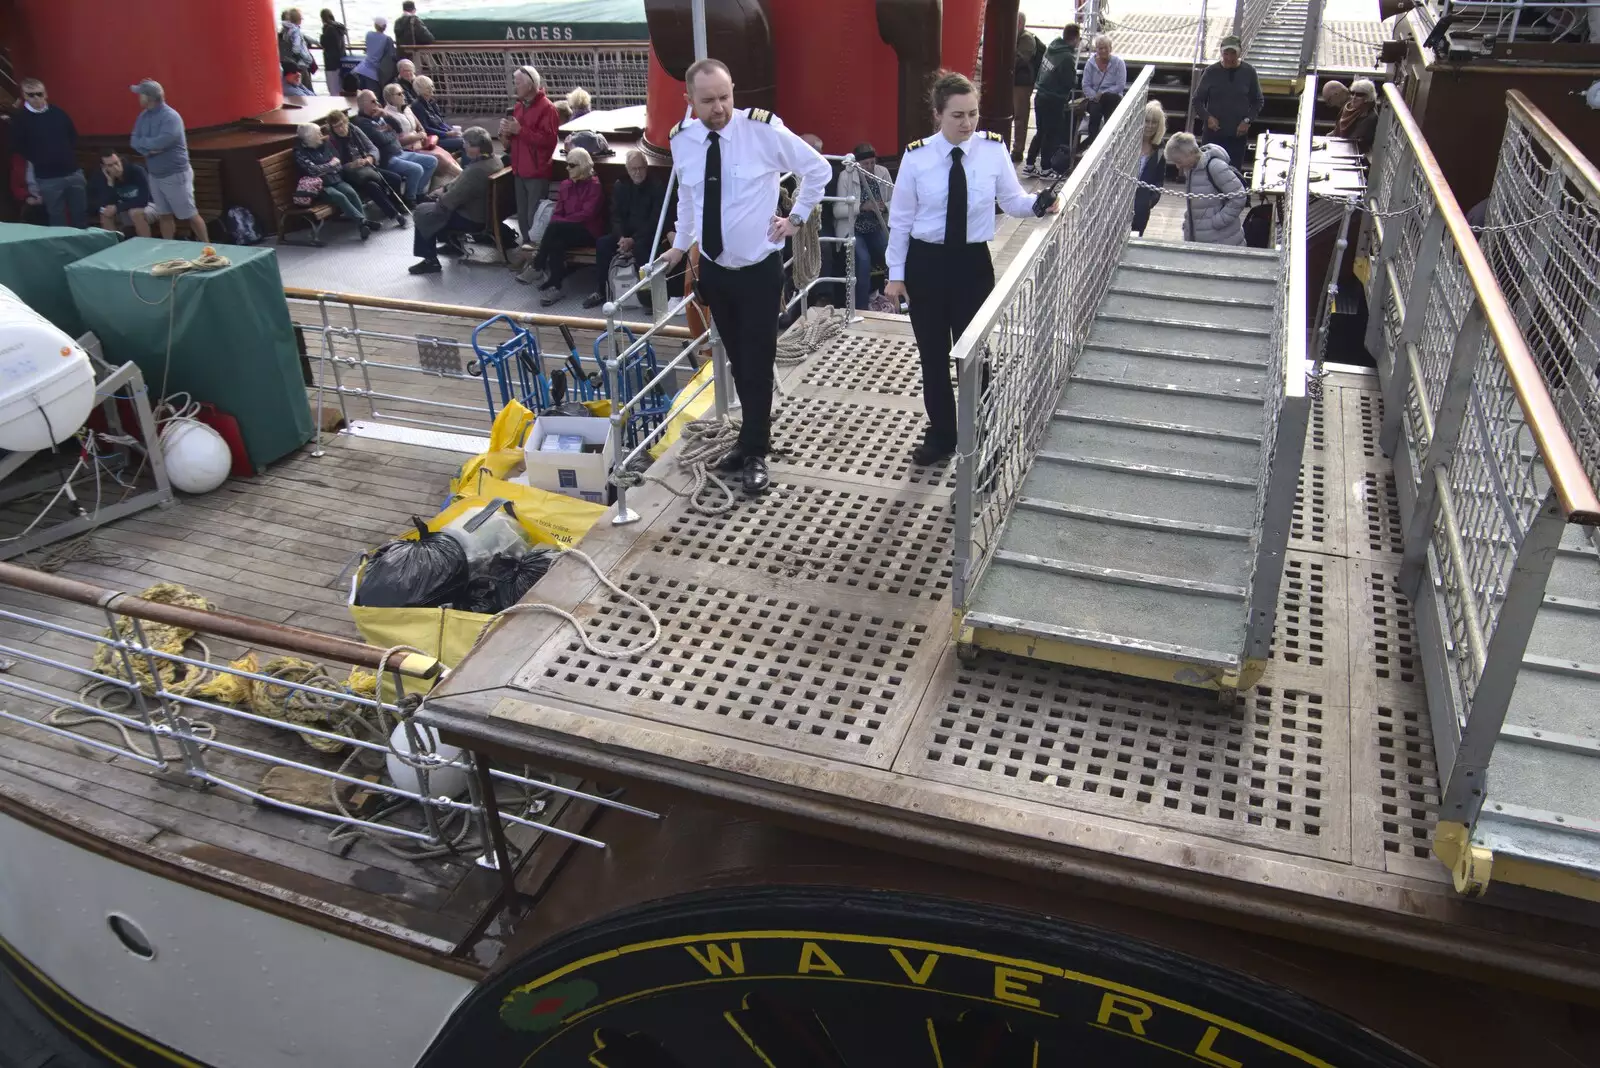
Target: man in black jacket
(45, 137)
(635, 210)
(1058, 84)
(409, 29)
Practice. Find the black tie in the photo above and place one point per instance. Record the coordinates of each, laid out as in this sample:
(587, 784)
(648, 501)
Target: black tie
(955, 209)
(711, 231)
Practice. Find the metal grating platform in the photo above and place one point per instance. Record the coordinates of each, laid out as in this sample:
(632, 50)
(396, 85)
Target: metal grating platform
(806, 660)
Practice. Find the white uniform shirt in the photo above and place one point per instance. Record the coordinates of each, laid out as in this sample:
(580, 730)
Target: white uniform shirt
(757, 149)
(922, 190)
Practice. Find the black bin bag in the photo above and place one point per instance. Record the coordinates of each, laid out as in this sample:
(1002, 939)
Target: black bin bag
(430, 572)
(502, 579)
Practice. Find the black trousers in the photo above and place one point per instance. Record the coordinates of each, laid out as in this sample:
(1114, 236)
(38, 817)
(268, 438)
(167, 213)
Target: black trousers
(1100, 109)
(559, 239)
(946, 285)
(744, 305)
(1050, 116)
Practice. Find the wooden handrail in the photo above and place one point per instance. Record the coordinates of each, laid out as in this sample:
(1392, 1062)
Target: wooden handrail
(1578, 498)
(1566, 154)
(222, 624)
(461, 311)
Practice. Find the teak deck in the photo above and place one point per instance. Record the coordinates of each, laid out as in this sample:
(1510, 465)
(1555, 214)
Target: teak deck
(806, 675)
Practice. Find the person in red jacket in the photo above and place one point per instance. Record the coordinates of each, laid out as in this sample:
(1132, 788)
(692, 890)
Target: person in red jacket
(529, 134)
(580, 217)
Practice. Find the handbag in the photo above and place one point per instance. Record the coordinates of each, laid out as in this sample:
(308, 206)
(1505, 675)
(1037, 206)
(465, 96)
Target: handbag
(306, 191)
(541, 220)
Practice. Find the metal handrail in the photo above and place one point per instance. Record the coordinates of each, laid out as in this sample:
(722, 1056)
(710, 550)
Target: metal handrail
(1576, 493)
(463, 311)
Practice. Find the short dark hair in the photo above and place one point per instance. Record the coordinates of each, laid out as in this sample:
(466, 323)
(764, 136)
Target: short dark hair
(865, 151)
(409, 7)
(1072, 29)
(108, 153)
(701, 66)
(949, 83)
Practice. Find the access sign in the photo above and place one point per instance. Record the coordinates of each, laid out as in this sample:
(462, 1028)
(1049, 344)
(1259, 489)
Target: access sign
(543, 22)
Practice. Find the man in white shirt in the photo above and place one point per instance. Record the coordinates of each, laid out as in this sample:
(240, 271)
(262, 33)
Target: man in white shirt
(728, 163)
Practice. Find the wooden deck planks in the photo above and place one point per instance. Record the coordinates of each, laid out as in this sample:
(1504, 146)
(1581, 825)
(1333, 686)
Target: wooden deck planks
(278, 547)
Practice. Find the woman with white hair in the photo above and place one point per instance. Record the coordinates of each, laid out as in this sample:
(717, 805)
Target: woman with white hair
(409, 131)
(1105, 80)
(1208, 219)
(579, 219)
(427, 112)
(529, 134)
(377, 65)
(316, 160)
(580, 102)
(1359, 119)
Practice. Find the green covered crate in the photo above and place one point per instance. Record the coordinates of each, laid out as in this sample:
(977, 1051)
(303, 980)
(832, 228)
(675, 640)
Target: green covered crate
(232, 343)
(32, 265)
(542, 21)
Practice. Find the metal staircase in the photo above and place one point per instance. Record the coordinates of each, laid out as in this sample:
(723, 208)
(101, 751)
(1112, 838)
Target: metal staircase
(1280, 38)
(1132, 416)
(1133, 530)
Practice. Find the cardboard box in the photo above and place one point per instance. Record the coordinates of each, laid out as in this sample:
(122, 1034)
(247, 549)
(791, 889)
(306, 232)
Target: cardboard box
(576, 474)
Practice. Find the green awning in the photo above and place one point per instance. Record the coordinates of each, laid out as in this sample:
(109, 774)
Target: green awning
(543, 21)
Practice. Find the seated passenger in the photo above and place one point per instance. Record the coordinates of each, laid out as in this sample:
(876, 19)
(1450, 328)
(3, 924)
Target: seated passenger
(412, 170)
(635, 212)
(1105, 80)
(427, 113)
(119, 196)
(578, 220)
(315, 159)
(412, 136)
(461, 208)
(360, 159)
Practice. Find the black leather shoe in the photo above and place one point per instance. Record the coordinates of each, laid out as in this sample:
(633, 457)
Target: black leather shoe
(734, 461)
(932, 451)
(755, 475)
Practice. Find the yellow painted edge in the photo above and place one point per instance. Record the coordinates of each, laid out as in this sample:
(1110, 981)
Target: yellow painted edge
(1450, 839)
(1114, 661)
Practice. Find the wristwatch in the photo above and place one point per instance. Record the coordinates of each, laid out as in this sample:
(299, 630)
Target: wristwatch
(797, 220)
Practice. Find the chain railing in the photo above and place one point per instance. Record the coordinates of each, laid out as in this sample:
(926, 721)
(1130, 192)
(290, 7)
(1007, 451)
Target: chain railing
(1485, 474)
(1286, 406)
(1543, 241)
(279, 716)
(475, 79)
(1021, 347)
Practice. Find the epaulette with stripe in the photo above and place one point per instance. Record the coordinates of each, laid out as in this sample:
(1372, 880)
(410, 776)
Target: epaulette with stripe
(677, 128)
(991, 135)
(761, 115)
(918, 143)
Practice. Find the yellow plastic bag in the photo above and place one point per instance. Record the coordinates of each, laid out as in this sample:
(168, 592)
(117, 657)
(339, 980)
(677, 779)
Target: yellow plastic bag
(510, 427)
(551, 518)
(685, 412)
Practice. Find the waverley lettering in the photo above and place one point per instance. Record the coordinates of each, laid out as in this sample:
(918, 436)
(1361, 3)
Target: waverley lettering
(538, 33)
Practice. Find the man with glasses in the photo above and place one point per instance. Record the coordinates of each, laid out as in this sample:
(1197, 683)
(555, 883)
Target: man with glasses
(45, 137)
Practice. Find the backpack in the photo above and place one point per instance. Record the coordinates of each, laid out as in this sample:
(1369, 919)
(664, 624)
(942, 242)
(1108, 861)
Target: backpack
(241, 226)
(288, 59)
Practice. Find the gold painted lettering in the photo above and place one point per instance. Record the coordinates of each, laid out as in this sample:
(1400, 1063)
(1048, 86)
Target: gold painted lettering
(715, 957)
(1135, 1012)
(919, 976)
(1008, 986)
(813, 958)
(1211, 1056)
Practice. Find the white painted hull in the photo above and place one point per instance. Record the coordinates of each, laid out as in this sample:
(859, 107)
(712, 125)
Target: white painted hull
(229, 985)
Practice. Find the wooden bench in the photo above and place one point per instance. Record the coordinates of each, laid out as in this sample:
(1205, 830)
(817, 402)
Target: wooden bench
(282, 176)
(208, 201)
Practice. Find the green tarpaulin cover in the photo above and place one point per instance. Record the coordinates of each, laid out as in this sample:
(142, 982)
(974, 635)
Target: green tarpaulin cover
(232, 342)
(32, 265)
(542, 21)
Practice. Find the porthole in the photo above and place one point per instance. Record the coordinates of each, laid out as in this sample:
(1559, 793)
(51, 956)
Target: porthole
(131, 936)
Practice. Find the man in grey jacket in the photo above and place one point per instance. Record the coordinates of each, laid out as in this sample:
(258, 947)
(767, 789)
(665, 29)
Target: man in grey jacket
(158, 136)
(1228, 99)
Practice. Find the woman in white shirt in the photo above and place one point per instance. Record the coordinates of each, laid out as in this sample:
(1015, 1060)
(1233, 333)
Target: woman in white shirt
(940, 224)
(412, 136)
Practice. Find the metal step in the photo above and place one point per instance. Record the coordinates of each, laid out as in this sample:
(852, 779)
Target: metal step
(1173, 282)
(1212, 314)
(1137, 445)
(1121, 365)
(1120, 402)
(1207, 261)
(1129, 542)
(1141, 492)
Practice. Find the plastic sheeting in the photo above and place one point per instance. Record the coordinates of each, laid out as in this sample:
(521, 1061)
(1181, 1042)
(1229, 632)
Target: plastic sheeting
(33, 262)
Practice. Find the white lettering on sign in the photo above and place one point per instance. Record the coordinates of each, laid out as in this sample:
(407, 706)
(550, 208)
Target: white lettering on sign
(538, 33)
